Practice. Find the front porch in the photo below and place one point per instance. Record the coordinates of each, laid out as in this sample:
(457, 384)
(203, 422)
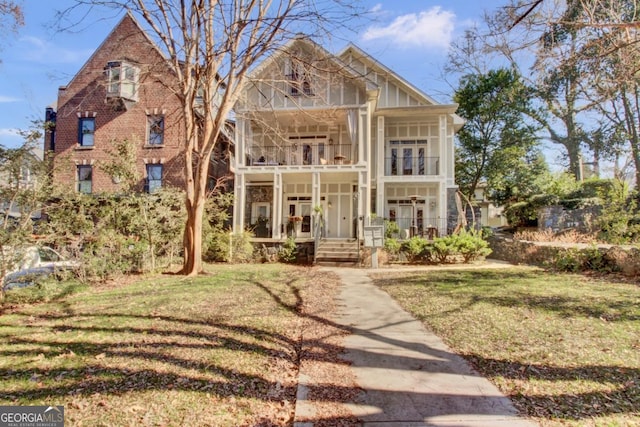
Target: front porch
(288, 203)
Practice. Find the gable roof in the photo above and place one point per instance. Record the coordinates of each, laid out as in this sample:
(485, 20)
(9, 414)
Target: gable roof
(127, 19)
(357, 53)
(305, 41)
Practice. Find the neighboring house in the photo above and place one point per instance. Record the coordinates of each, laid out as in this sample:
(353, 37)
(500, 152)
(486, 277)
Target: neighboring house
(345, 135)
(13, 182)
(490, 214)
(123, 92)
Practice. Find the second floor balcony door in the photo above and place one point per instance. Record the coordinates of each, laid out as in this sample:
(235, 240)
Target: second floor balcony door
(406, 159)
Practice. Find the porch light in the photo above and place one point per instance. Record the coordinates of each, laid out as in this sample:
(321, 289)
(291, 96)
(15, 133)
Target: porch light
(414, 228)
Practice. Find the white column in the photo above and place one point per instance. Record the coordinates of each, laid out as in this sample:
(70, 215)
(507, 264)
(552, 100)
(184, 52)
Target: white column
(315, 197)
(381, 171)
(239, 201)
(361, 141)
(240, 142)
(276, 207)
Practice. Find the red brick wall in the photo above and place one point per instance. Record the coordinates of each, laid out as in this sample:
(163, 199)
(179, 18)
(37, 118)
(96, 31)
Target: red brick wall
(85, 95)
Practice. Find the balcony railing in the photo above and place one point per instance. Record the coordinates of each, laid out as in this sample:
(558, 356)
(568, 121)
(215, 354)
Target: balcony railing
(299, 154)
(399, 166)
(429, 228)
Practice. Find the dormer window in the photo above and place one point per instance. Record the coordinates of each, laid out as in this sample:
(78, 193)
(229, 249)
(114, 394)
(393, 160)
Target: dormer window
(122, 80)
(299, 79)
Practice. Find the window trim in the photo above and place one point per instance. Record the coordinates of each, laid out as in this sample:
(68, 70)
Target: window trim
(82, 133)
(80, 182)
(152, 120)
(299, 79)
(127, 83)
(149, 188)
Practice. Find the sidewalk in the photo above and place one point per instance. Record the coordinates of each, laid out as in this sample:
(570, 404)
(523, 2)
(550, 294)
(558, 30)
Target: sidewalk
(408, 376)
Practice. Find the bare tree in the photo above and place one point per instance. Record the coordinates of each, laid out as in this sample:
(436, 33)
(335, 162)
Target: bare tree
(211, 47)
(11, 17)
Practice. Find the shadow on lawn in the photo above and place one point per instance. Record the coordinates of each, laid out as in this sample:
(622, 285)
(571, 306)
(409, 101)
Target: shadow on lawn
(620, 394)
(143, 352)
(489, 287)
(158, 338)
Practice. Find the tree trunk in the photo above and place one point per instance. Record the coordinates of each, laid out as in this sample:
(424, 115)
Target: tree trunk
(192, 264)
(195, 200)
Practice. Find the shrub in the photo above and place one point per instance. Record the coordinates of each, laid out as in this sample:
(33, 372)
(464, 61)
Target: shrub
(226, 247)
(567, 260)
(540, 200)
(521, 214)
(577, 260)
(470, 245)
(288, 251)
(441, 249)
(416, 249)
(392, 246)
(391, 229)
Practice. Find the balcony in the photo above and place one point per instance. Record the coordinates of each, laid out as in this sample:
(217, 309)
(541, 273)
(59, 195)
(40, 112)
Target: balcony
(411, 166)
(318, 154)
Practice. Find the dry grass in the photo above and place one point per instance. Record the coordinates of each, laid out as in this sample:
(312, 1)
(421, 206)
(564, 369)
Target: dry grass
(548, 235)
(221, 349)
(565, 348)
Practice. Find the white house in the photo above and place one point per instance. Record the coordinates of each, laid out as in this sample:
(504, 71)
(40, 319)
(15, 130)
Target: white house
(345, 135)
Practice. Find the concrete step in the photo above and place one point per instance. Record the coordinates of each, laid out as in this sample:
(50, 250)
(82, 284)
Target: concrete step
(337, 253)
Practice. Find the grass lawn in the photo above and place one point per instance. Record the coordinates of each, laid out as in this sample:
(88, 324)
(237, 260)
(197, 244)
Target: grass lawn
(218, 350)
(565, 348)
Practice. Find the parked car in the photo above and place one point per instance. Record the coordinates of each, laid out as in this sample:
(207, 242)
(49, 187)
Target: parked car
(35, 263)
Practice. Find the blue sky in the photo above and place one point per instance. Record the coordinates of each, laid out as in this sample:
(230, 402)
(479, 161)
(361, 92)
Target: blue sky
(410, 36)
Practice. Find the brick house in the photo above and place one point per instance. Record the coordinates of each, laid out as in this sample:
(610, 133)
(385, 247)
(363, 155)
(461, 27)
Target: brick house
(123, 92)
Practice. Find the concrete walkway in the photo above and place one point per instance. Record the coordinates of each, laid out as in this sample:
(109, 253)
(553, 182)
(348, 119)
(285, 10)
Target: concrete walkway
(408, 376)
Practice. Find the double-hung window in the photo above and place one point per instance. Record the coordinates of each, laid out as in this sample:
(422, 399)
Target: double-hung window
(86, 131)
(154, 177)
(85, 173)
(156, 130)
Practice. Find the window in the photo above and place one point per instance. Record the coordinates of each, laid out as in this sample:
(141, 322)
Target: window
(154, 177)
(122, 80)
(86, 131)
(85, 173)
(300, 79)
(156, 130)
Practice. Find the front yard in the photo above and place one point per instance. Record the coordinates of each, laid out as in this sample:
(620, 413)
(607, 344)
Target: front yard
(219, 350)
(565, 348)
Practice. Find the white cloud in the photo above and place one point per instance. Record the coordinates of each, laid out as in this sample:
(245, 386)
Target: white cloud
(376, 8)
(5, 99)
(429, 28)
(42, 51)
(9, 132)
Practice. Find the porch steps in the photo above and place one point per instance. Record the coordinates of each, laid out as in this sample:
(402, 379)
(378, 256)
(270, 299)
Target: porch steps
(338, 253)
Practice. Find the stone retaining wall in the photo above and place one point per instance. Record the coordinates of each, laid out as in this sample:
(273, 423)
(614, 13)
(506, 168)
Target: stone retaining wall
(626, 259)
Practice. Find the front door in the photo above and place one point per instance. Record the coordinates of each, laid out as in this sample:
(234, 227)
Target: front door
(305, 225)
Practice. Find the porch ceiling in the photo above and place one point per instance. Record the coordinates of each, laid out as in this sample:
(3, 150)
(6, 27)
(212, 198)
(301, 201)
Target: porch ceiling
(341, 177)
(306, 117)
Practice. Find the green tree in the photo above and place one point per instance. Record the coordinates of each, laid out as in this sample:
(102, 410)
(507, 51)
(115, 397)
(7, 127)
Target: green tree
(530, 175)
(496, 139)
(24, 184)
